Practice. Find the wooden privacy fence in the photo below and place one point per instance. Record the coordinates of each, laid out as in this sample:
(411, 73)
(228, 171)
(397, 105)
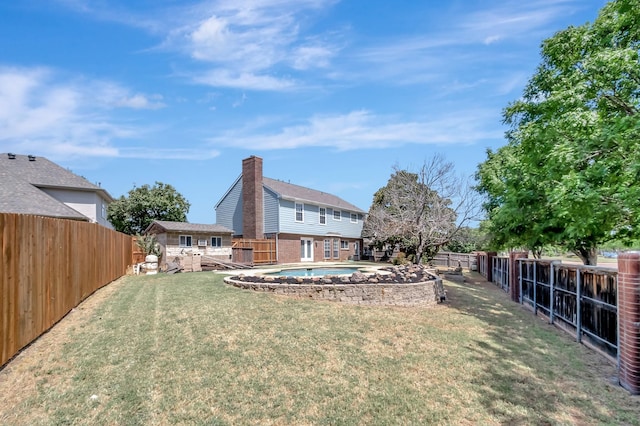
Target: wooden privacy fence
(455, 260)
(263, 252)
(48, 267)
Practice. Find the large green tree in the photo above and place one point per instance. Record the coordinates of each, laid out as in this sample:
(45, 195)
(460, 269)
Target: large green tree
(420, 212)
(569, 173)
(144, 204)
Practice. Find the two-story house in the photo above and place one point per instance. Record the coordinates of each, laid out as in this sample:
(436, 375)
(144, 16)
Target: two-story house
(37, 186)
(308, 225)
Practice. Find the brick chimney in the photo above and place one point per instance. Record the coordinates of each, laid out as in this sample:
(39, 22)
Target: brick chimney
(252, 198)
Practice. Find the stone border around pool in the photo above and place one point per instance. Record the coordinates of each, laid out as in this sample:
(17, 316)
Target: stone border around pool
(411, 285)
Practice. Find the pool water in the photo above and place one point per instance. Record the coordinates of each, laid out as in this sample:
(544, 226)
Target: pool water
(313, 272)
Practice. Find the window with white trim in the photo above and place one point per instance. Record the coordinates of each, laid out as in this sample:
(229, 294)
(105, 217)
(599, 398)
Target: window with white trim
(323, 216)
(103, 213)
(336, 252)
(337, 215)
(327, 249)
(354, 218)
(344, 244)
(299, 212)
(185, 241)
(216, 241)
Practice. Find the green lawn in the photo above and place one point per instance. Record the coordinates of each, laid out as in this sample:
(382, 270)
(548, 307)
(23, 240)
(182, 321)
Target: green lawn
(187, 349)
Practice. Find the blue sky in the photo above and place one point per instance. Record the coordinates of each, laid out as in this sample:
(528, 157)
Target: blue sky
(331, 94)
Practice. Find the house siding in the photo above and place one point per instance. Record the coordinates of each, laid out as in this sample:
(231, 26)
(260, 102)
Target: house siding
(271, 212)
(87, 203)
(311, 224)
(229, 210)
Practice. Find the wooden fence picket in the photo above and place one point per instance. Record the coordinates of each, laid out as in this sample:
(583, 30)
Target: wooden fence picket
(49, 266)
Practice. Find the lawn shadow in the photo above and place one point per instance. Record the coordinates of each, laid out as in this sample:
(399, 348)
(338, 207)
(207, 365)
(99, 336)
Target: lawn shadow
(531, 372)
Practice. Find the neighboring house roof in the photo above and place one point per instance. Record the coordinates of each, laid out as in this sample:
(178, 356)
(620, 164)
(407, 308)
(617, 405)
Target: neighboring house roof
(301, 193)
(22, 178)
(165, 226)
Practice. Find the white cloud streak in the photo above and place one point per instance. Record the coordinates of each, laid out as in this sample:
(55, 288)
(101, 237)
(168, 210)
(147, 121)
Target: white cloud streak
(43, 113)
(439, 53)
(364, 130)
(245, 42)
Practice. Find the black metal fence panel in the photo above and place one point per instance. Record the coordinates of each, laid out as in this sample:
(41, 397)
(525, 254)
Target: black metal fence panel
(583, 298)
(501, 272)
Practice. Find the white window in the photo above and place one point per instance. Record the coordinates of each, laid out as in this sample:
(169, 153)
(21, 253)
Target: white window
(337, 215)
(216, 241)
(354, 218)
(104, 211)
(185, 240)
(327, 249)
(336, 253)
(202, 243)
(323, 216)
(299, 212)
(344, 245)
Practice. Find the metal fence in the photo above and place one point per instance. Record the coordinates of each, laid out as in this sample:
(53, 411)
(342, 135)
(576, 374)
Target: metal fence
(582, 298)
(500, 272)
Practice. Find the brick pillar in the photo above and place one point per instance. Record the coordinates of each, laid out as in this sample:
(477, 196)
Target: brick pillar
(629, 320)
(252, 198)
(514, 274)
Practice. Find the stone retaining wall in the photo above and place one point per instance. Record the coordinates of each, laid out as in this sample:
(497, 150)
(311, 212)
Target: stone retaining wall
(390, 294)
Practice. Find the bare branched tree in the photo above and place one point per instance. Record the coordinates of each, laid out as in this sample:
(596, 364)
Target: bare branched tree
(420, 212)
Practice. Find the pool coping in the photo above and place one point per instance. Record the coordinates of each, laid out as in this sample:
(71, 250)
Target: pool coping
(364, 267)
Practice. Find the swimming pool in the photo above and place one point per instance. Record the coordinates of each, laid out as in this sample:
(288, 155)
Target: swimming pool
(313, 272)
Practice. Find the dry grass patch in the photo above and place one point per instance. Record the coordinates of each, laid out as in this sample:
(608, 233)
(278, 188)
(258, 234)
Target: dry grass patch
(187, 349)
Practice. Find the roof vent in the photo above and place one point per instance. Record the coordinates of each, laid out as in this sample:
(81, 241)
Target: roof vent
(32, 158)
(11, 156)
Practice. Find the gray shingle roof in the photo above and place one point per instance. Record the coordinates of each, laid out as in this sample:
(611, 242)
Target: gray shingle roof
(20, 180)
(296, 192)
(164, 225)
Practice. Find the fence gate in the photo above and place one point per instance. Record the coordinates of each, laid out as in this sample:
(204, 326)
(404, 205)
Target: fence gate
(263, 251)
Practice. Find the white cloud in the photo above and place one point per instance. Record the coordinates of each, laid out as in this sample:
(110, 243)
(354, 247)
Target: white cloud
(510, 20)
(157, 153)
(46, 113)
(364, 130)
(443, 51)
(249, 81)
(243, 43)
(140, 101)
(311, 56)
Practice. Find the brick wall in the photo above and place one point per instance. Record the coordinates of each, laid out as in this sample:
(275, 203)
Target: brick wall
(629, 320)
(289, 248)
(252, 198)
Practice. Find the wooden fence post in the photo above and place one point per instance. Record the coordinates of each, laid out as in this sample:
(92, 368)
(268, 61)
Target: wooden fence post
(629, 320)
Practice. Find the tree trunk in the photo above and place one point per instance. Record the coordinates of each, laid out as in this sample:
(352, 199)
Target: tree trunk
(588, 255)
(419, 250)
